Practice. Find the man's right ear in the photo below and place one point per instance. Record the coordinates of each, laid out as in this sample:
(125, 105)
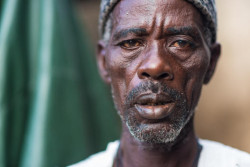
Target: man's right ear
(101, 61)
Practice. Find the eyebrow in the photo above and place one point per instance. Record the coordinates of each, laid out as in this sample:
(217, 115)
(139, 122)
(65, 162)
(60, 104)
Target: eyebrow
(125, 32)
(191, 31)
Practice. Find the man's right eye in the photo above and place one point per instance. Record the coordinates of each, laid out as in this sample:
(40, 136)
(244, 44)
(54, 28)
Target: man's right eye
(130, 44)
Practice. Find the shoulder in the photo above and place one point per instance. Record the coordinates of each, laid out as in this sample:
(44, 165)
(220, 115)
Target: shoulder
(104, 158)
(215, 154)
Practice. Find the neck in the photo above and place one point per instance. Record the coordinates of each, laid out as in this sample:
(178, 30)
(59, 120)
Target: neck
(182, 153)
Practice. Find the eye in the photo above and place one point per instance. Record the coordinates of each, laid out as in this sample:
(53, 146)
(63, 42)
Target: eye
(130, 44)
(182, 44)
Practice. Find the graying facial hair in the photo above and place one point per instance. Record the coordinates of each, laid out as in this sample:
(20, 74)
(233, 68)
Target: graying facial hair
(147, 132)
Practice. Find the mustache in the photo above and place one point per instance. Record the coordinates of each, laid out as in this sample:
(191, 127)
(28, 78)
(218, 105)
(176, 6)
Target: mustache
(154, 88)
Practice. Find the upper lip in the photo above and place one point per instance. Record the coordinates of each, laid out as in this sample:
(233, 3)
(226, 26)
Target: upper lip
(153, 99)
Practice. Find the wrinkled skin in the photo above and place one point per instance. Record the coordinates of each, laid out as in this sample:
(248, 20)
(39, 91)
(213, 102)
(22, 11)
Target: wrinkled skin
(161, 43)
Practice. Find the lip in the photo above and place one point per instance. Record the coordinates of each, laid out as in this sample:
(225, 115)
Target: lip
(154, 106)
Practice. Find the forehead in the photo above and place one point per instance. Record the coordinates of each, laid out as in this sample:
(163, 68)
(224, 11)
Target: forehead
(150, 14)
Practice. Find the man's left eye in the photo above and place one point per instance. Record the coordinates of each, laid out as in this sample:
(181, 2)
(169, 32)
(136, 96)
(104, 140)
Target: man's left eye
(182, 44)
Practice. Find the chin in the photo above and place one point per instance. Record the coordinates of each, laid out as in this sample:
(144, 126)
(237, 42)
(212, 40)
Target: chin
(153, 135)
(165, 131)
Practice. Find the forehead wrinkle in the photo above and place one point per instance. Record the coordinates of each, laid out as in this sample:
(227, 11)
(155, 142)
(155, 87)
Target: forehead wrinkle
(159, 16)
(131, 8)
(126, 13)
(172, 13)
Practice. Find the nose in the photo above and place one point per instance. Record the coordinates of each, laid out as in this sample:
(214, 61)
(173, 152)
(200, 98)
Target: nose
(155, 67)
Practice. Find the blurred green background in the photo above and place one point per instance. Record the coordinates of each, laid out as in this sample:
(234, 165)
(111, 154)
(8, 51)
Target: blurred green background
(54, 108)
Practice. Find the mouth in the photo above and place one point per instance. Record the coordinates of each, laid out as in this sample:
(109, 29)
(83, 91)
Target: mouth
(154, 106)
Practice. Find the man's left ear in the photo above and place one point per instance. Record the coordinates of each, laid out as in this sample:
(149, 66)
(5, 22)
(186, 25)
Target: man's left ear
(215, 50)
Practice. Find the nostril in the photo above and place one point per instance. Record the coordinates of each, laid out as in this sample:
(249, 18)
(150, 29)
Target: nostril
(145, 74)
(161, 76)
(164, 76)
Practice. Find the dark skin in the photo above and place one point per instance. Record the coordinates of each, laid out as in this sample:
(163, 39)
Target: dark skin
(162, 42)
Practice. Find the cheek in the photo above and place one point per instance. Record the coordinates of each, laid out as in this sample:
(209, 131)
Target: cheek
(118, 86)
(196, 70)
(122, 74)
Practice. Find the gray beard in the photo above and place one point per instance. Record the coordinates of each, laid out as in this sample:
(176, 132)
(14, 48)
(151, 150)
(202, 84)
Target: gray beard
(155, 134)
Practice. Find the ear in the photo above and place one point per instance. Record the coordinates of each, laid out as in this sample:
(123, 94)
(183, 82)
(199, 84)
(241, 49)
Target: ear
(215, 50)
(101, 61)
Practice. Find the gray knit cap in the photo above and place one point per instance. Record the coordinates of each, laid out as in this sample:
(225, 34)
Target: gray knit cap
(206, 7)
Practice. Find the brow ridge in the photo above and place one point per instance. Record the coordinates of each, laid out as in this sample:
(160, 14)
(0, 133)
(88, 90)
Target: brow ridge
(125, 32)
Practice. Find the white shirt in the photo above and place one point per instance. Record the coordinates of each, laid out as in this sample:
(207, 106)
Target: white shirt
(213, 154)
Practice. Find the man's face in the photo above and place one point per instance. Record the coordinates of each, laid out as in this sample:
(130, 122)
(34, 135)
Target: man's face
(156, 62)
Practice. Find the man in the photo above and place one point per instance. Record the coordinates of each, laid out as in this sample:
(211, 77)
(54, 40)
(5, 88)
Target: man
(156, 55)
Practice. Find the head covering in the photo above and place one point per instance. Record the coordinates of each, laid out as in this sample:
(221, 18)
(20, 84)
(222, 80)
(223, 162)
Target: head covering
(206, 7)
